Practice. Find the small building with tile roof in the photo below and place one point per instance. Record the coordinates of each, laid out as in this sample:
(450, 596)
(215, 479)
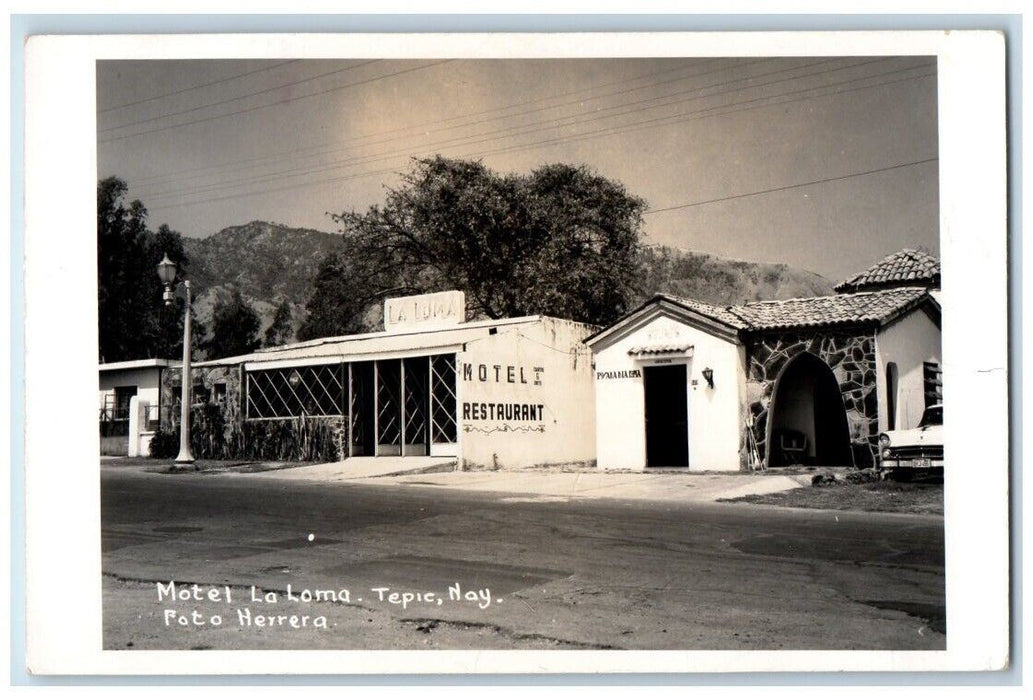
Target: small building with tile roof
(811, 381)
(908, 267)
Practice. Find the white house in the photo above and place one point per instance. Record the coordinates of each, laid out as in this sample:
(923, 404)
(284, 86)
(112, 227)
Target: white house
(681, 383)
(129, 393)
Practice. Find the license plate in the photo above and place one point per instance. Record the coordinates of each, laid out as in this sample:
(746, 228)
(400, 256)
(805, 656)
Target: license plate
(922, 463)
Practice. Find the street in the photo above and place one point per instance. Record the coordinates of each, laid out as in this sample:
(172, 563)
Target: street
(418, 566)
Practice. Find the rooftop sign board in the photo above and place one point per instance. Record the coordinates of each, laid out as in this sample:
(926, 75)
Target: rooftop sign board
(425, 311)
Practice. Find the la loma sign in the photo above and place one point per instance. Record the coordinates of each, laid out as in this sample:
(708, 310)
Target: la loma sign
(437, 310)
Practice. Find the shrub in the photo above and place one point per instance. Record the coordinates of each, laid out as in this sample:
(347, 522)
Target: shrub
(862, 476)
(165, 444)
(823, 479)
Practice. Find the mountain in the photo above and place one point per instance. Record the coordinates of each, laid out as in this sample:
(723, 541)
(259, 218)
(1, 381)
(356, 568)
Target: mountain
(723, 281)
(272, 263)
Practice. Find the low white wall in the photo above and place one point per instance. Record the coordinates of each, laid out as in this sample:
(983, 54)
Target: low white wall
(145, 379)
(525, 397)
(909, 342)
(714, 415)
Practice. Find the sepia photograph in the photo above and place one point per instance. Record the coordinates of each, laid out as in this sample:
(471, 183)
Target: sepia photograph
(517, 354)
(580, 349)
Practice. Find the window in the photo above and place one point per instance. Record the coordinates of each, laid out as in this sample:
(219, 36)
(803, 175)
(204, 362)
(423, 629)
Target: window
(219, 392)
(122, 396)
(288, 392)
(891, 396)
(933, 376)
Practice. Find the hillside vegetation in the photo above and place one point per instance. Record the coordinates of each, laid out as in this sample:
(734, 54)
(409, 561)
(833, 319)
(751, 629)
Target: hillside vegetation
(271, 263)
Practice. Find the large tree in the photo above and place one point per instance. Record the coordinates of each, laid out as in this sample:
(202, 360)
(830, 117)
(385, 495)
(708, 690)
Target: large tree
(235, 325)
(133, 322)
(345, 288)
(561, 241)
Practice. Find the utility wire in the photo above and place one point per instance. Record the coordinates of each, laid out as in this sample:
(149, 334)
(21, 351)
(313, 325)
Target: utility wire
(792, 187)
(274, 104)
(523, 129)
(196, 87)
(638, 126)
(591, 135)
(421, 130)
(235, 99)
(416, 128)
(527, 129)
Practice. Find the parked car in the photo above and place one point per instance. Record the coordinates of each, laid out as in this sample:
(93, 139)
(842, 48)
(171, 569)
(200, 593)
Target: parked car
(916, 448)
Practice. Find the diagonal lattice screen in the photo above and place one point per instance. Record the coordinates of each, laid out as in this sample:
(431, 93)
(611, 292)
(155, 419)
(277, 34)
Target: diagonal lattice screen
(415, 400)
(293, 391)
(443, 398)
(389, 383)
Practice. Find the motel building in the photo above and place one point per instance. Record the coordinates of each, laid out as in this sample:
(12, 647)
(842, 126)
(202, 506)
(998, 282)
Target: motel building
(497, 393)
(129, 404)
(681, 383)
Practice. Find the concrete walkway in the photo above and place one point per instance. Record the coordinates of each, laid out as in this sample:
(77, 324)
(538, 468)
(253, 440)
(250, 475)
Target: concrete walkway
(540, 484)
(363, 468)
(546, 485)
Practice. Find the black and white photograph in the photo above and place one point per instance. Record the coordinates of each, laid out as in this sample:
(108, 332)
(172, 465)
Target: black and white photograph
(451, 351)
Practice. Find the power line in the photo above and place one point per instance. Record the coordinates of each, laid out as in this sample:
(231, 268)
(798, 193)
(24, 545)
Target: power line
(196, 87)
(522, 129)
(691, 116)
(539, 126)
(528, 128)
(791, 187)
(638, 126)
(236, 99)
(697, 115)
(274, 104)
(417, 127)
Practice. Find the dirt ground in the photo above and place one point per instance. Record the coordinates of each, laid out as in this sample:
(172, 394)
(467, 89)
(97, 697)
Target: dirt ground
(882, 496)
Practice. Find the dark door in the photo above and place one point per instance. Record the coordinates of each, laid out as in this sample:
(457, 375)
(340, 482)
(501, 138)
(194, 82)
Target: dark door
(667, 416)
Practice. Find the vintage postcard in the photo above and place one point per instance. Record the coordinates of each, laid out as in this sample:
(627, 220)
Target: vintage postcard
(589, 353)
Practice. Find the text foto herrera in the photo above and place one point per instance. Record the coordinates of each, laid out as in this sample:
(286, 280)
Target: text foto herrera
(224, 594)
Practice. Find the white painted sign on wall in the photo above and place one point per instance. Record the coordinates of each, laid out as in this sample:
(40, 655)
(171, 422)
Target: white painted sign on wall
(435, 310)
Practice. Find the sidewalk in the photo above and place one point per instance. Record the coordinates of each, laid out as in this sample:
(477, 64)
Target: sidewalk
(543, 484)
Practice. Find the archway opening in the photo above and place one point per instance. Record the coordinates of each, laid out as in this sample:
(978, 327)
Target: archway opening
(808, 419)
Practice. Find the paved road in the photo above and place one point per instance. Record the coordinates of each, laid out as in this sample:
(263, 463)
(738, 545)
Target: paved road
(579, 573)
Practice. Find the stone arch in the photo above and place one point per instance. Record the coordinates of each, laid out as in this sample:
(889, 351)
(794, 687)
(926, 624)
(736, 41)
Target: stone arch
(807, 420)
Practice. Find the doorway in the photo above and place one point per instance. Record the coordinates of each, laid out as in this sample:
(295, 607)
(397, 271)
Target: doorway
(667, 416)
(808, 418)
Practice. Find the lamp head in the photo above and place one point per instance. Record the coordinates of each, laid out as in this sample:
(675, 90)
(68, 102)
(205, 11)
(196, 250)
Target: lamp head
(708, 375)
(167, 275)
(166, 270)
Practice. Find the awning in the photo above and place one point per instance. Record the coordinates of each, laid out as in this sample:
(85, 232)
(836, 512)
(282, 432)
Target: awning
(660, 349)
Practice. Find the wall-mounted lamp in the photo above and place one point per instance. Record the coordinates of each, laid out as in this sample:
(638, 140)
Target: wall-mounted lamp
(708, 374)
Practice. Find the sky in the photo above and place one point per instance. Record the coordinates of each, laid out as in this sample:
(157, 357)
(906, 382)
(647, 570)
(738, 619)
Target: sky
(824, 163)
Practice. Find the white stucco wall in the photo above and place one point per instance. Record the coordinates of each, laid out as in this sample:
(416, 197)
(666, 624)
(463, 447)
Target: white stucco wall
(909, 342)
(542, 368)
(714, 415)
(145, 379)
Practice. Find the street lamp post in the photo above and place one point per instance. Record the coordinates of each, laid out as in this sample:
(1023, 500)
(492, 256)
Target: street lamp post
(167, 274)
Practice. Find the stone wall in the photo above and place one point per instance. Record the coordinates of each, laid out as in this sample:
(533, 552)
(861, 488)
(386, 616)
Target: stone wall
(219, 429)
(851, 356)
(232, 405)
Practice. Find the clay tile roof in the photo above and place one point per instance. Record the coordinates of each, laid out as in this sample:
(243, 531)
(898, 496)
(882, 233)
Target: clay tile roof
(905, 268)
(717, 313)
(861, 307)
